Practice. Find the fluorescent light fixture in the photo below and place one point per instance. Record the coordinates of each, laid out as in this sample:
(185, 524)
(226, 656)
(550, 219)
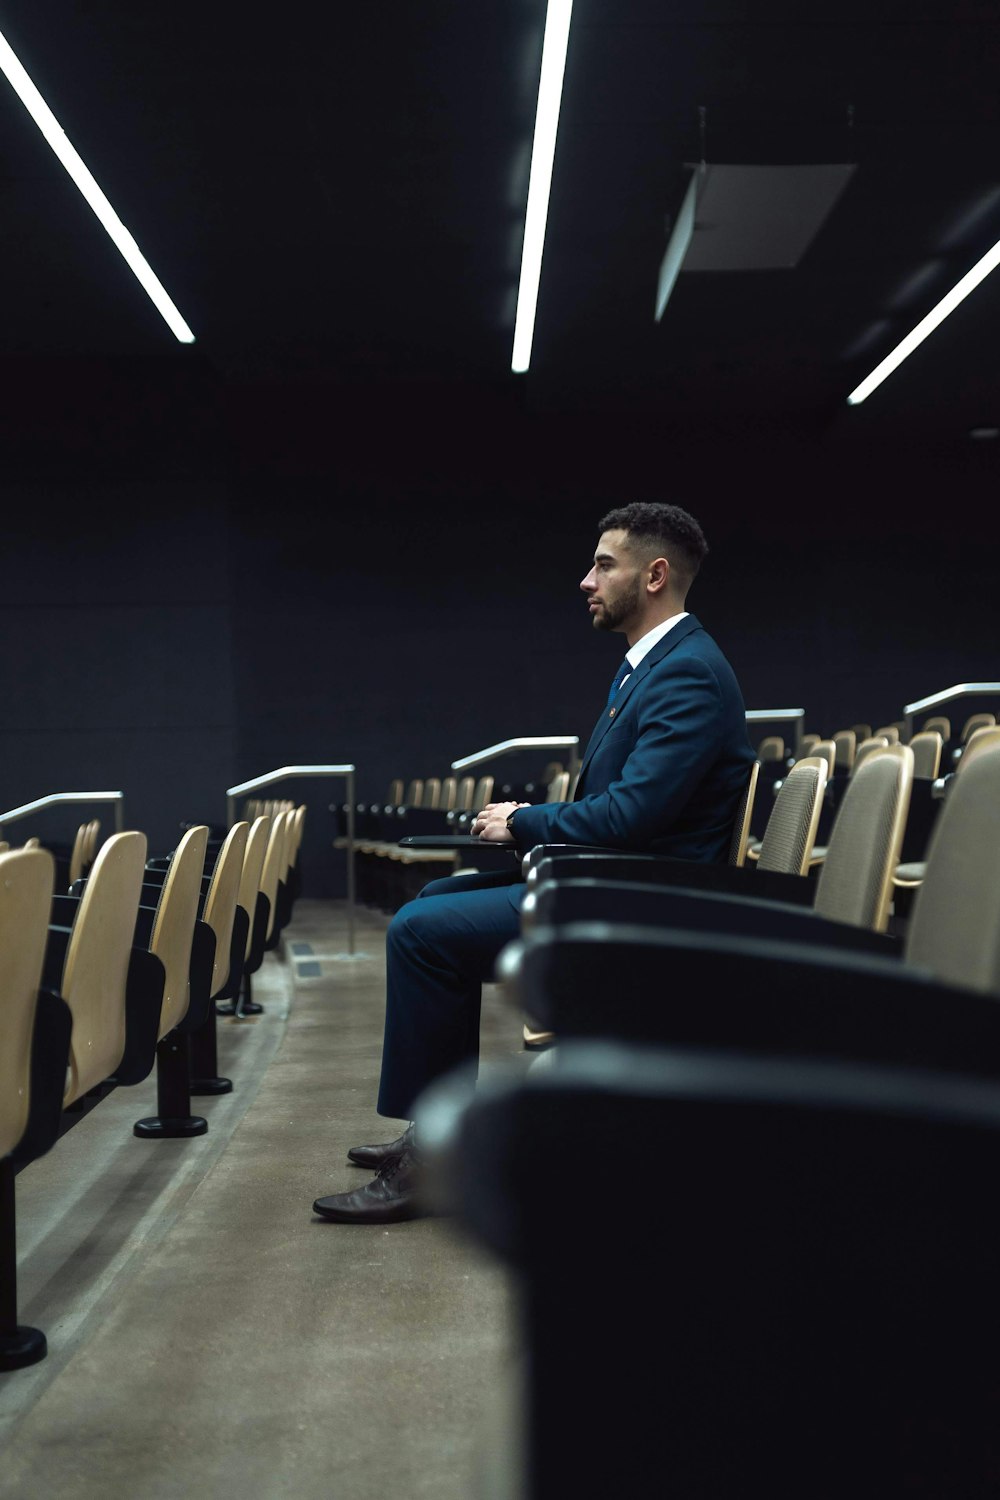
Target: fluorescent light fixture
(948, 303)
(71, 160)
(677, 246)
(557, 19)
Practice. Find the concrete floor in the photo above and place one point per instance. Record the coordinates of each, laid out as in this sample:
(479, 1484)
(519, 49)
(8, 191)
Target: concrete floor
(207, 1335)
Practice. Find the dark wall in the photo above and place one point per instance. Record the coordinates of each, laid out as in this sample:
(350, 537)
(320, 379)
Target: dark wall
(389, 576)
(116, 665)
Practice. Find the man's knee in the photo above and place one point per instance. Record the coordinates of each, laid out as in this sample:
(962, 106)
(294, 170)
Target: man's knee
(411, 924)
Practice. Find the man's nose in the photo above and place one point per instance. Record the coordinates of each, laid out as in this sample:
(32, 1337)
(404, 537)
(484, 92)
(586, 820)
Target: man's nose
(590, 582)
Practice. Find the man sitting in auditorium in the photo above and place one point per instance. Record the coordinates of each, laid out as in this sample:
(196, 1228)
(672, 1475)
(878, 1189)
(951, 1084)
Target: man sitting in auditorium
(663, 772)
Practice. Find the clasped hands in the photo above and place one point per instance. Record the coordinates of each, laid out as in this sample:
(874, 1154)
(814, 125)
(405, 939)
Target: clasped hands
(491, 824)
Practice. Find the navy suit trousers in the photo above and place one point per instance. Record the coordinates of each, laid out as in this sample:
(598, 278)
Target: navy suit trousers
(439, 951)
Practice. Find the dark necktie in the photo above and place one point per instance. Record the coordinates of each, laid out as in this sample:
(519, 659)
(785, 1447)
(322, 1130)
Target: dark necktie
(623, 671)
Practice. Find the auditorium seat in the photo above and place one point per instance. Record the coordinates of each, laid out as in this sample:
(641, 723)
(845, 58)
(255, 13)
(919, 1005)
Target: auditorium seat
(974, 722)
(868, 747)
(889, 732)
(926, 747)
(35, 1026)
(229, 923)
(186, 948)
(940, 724)
(845, 746)
(793, 1293)
(852, 894)
(910, 871)
(771, 747)
(252, 899)
(932, 1004)
(781, 863)
(95, 965)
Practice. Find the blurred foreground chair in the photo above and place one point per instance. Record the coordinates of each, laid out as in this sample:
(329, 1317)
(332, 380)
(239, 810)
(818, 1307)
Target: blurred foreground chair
(34, 1050)
(818, 1312)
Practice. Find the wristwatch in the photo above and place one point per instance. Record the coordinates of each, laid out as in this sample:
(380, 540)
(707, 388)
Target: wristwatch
(510, 819)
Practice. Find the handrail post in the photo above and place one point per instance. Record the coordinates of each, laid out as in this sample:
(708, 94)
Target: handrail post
(285, 773)
(350, 863)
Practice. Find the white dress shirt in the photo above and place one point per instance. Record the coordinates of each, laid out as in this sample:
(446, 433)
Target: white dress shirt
(645, 644)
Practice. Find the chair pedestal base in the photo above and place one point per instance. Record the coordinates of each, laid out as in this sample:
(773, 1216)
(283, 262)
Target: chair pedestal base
(24, 1346)
(211, 1085)
(166, 1127)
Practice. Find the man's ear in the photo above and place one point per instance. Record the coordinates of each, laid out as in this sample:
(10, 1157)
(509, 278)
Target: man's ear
(659, 575)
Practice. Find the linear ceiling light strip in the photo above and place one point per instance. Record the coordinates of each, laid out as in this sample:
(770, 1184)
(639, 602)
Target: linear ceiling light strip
(71, 160)
(937, 315)
(543, 150)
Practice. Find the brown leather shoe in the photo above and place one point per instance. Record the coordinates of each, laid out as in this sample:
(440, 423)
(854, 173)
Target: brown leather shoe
(390, 1198)
(373, 1157)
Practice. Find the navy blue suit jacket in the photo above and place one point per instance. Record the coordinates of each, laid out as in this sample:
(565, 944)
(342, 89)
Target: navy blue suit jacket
(667, 762)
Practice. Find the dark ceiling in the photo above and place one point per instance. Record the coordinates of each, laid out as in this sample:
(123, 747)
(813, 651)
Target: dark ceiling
(338, 193)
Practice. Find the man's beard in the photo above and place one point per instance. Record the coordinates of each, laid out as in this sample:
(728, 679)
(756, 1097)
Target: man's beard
(612, 616)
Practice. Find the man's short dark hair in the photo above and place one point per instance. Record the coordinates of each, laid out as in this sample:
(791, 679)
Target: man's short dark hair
(671, 531)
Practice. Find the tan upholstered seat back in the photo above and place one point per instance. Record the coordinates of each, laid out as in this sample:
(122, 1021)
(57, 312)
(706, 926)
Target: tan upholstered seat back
(26, 880)
(941, 724)
(828, 750)
(77, 853)
(807, 743)
(888, 732)
(845, 743)
(855, 884)
(432, 791)
(866, 748)
(464, 795)
(791, 828)
(482, 794)
(741, 827)
(173, 930)
(974, 722)
(97, 959)
(253, 868)
(298, 828)
(558, 788)
(449, 791)
(771, 747)
(983, 738)
(926, 747)
(273, 866)
(954, 929)
(220, 901)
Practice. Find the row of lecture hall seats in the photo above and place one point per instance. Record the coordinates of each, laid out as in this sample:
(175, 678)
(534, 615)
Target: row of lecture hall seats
(389, 875)
(123, 971)
(746, 1191)
(934, 751)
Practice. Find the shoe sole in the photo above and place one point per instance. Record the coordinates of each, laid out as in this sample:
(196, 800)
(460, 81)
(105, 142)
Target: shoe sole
(335, 1216)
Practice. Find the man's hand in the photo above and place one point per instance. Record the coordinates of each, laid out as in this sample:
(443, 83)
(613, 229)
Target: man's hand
(491, 824)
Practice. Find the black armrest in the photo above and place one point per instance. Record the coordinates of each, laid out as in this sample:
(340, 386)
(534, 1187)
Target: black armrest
(143, 1003)
(54, 962)
(145, 918)
(557, 902)
(237, 955)
(202, 963)
(49, 1060)
(658, 869)
(64, 910)
(692, 989)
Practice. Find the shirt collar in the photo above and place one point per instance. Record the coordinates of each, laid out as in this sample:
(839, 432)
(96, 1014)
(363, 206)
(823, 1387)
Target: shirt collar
(646, 643)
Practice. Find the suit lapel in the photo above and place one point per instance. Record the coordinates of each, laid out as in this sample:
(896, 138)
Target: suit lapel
(662, 648)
